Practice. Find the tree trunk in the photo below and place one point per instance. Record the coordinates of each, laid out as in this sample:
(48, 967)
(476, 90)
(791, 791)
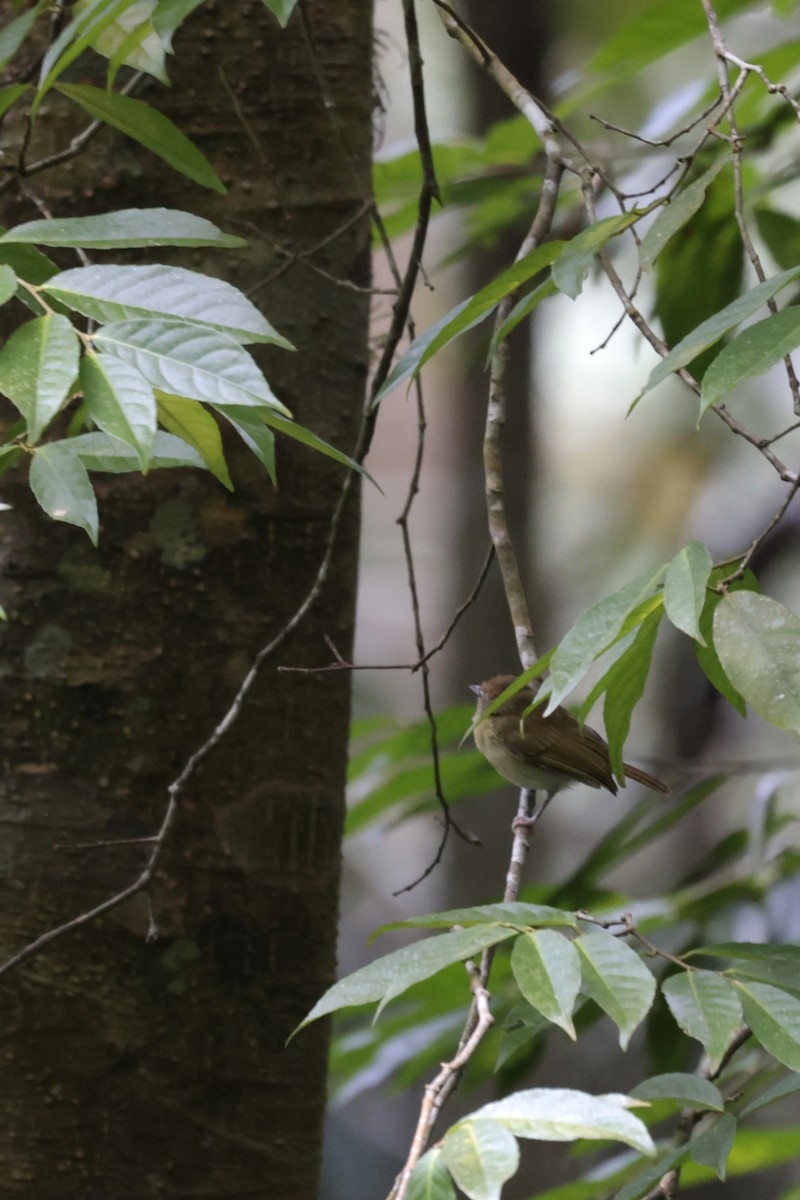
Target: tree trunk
(136, 1067)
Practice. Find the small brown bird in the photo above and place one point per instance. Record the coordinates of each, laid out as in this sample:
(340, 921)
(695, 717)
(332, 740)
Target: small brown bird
(547, 753)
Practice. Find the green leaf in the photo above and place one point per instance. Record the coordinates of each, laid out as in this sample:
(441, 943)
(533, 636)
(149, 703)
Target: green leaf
(100, 452)
(125, 229)
(300, 434)
(685, 588)
(680, 209)
(522, 309)
(14, 34)
(120, 402)
(411, 789)
(254, 433)
(710, 331)
(393, 974)
(690, 1091)
(625, 838)
(467, 314)
(643, 1182)
(430, 1179)
(774, 1017)
(548, 970)
(572, 267)
(680, 304)
(514, 913)
(282, 9)
(615, 977)
(752, 353)
(712, 1147)
(619, 648)
(784, 1087)
(652, 32)
(120, 293)
(753, 1150)
(706, 655)
(409, 364)
(168, 15)
(523, 1029)
(778, 965)
(775, 964)
(564, 1115)
(147, 126)
(130, 40)
(624, 685)
(29, 264)
(10, 95)
(38, 365)
(62, 487)
(187, 419)
(75, 37)
(758, 642)
(593, 631)
(781, 233)
(8, 284)
(191, 361)
(706, 1007)
(480, 1155)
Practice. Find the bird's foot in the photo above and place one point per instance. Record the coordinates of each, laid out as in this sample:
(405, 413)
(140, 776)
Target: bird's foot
(524, 824)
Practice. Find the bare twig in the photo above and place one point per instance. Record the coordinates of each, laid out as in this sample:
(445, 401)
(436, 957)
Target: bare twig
(660, 142)
(79, 142)
(773, 88)
(543, 125)
(99, 910)
(744, 560)
(176, 788)
(736, 141)
(436, 1091)
(479, 1019)
(429, 192)
(341, 664)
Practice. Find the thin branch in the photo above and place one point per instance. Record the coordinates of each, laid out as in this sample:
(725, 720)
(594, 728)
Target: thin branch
(294, 256)
(771, 87)
(242, 119)
(479, 1019)
(176, 788)
(74, 846)
(532, 109)
(99, 910)
(544, 126)
(341, 664)
(661, 348)
(736, 142)
(744, 560)
(660, 142)
(436, 1091)
(430, 191)
(79, 142)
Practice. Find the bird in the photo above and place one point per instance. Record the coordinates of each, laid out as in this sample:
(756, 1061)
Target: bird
(544, 753)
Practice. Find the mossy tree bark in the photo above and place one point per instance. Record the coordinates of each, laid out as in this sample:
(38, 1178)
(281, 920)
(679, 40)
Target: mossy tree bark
(137, 1068)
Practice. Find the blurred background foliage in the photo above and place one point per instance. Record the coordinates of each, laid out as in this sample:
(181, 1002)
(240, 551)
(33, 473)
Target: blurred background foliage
(594, 499)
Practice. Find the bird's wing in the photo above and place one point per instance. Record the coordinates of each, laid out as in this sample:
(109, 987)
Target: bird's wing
(586, 758)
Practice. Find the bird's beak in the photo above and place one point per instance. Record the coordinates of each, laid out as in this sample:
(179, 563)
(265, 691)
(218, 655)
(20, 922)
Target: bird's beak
(476, 688)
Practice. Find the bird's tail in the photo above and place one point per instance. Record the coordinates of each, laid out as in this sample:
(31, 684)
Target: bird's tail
(648, 780)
